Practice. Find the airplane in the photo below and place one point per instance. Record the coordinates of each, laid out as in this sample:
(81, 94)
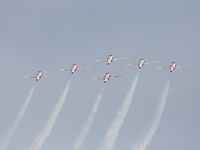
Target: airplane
(74, 68)
(110, 59)
(39, 75)
(106, 77)
(172, 66)
(142, 63)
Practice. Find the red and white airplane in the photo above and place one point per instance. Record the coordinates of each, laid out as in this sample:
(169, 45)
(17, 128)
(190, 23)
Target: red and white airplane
(142, 63)
(106, 77)
(74, 68)
(172, 66)
(39, 75)
(110, 59)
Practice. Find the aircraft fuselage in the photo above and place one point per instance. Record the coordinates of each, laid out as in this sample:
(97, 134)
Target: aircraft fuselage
(110, 59)
(141, 63)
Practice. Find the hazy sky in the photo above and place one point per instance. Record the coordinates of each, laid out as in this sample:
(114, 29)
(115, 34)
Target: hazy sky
(50, 35)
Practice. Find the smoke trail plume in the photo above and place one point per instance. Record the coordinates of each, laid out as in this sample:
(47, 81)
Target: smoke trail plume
(86, 127)
(16, 122)
(51, 121)
(118, 121)
(156, 120)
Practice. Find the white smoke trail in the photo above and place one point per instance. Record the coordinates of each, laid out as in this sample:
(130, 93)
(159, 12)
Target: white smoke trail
(156, 120)
(51, 121)
(118, 121)
(16, 122)
(86, 127)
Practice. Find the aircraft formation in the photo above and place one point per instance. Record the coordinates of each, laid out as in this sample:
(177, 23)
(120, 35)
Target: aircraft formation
(107, 76)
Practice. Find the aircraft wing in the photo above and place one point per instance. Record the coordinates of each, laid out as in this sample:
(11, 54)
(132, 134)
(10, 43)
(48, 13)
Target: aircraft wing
(164, 67)
(150, 62)
(182, 66)
(132, 64)
(119, 58)
(115, 76)
(101, 60)
(64, 69)
(83, 67)
(101, 78)
(44, 75)
(30, 76)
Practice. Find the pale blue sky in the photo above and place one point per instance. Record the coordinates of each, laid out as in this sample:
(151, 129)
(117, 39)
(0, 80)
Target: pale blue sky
(50, 35)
